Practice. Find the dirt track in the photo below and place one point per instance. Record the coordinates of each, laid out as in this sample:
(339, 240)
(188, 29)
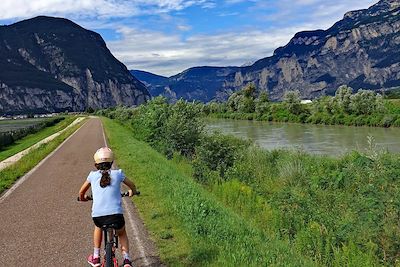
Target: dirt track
(42, 224)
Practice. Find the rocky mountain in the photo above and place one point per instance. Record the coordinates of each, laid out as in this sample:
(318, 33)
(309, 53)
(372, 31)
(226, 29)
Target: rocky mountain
(198, 83)
(51, 64)
(362, 50)
(156, 84)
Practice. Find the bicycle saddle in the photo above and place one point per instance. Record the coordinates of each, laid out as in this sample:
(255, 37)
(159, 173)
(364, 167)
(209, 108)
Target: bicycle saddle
(107, 226)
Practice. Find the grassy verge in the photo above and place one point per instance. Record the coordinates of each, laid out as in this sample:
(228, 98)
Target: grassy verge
(10, 174)
(187, 222)
(32, 139)
(335, 212)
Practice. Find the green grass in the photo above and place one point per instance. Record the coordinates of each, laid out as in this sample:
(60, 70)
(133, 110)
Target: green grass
(10, 125)
(10, 174)
(189, 225)
(393, 106)
(338, 212)
(32, 139)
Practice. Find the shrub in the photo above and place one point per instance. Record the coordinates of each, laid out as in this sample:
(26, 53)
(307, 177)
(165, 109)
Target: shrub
(183, 127)
(364, 102)
(387, 121)
(343, 98)
(216, 152)
(262, 104)
(5, 139)
(397, 123)
(292, 102)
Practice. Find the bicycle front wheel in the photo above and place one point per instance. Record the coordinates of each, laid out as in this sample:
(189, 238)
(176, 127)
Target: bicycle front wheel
(109, 261)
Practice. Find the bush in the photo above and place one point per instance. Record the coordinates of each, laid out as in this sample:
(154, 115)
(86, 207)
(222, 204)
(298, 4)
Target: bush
(183, 128)
(216, 152)
(6, 139)
(167, 128)
(292, 102)
(387, 120)
(397, 123)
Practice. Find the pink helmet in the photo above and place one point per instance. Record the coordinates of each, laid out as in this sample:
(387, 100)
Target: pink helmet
(103, 154)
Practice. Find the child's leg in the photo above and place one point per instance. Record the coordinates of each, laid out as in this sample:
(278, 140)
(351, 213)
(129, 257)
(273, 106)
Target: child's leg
(94, 259)
(123, 238)
(97, 237)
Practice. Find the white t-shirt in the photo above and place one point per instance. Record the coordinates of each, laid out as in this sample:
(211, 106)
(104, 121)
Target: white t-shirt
(107, 200)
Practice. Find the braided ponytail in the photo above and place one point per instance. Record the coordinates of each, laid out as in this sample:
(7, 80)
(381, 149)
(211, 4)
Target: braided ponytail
(104, 168)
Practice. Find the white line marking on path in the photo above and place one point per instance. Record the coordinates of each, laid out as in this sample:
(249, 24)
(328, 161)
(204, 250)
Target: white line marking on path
(131, 221)
(28, 174)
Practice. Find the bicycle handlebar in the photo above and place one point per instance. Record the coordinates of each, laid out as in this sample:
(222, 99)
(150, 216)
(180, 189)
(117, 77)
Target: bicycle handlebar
(123, 194)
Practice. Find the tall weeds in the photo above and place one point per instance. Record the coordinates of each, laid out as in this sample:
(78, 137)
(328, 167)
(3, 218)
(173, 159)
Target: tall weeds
(333, 211)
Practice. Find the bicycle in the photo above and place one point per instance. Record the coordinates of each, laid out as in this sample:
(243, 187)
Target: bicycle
(110, 238)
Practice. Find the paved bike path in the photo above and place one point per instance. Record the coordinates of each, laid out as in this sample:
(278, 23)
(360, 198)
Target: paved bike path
(42, 224)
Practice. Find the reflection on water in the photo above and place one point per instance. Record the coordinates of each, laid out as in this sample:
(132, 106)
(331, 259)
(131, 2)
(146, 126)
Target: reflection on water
(318, 139)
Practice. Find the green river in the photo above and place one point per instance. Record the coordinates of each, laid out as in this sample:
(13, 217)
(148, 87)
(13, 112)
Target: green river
(317, 139)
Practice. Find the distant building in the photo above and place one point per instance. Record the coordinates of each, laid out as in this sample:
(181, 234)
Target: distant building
(306, 101)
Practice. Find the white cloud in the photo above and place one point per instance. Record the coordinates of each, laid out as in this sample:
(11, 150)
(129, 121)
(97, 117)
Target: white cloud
(170, 53)
(12, 9)
(167, 55)
(317, 13)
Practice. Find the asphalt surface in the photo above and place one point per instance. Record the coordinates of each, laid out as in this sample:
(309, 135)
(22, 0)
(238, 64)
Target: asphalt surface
(42, 223)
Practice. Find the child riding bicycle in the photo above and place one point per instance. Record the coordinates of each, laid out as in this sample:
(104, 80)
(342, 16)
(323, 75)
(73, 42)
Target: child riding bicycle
(107, 206)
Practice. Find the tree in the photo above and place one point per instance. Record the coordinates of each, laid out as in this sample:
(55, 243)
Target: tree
(343, 98)
(322, 104)
(183, 127)
(246, 105)
(233, 101)
(262, 103)
(89, 110)
(213, 107)
(292, 101)
(243, 100)
(363, 102)
(249, 91)
(379, 104)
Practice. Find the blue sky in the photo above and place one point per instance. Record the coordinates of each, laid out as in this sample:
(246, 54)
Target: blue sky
(168, 36)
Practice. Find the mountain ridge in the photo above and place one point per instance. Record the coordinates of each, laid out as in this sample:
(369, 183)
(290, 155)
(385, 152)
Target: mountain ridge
(362, 50)
(52, 64)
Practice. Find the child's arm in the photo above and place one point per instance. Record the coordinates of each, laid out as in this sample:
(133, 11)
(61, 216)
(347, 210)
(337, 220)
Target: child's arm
(83, 190)
(131, 185)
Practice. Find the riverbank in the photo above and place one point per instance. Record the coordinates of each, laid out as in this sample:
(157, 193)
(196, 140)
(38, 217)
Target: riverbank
(279, 113)
(364, 108)
(324, 209)
(189, 226)
(332, 212)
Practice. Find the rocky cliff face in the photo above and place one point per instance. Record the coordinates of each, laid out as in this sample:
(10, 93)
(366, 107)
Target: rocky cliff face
(362, 51)
(51, 64)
